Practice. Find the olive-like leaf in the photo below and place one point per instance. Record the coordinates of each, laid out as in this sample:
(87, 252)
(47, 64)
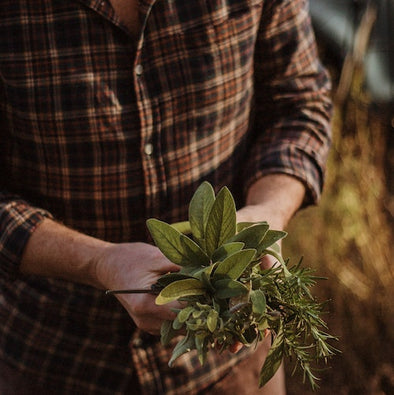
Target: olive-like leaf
(185, 345)
(270, 238)
(226, 250)
(234, 265)
(274, 359)
(212, 320)
(199, 208)
(177, 247)
(258, 300)
(169, 278)
(251, 236)
(179, 289)
(167, 332)
(228, 288)
(184, 314)
(221, 224)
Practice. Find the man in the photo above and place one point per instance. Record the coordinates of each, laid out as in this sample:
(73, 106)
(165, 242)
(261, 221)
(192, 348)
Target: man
(114, 112)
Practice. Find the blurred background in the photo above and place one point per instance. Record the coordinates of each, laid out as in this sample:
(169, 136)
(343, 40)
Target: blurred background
(348, 238)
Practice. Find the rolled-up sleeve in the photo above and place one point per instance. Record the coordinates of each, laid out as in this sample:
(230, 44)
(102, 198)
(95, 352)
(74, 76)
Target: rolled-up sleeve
(292, 100)
(18, 219)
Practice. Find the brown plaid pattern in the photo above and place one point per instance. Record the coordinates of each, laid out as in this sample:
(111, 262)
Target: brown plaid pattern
(102, 132)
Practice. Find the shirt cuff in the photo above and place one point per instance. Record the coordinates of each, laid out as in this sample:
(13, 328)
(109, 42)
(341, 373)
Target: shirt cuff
(18, 220)
(293, 161)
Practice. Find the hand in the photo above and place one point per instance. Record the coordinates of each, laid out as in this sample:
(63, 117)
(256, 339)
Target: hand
(137, 265)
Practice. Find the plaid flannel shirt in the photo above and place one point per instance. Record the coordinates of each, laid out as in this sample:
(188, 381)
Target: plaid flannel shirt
(102, 130)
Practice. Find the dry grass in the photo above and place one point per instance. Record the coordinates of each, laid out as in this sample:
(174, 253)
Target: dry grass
(348, 238)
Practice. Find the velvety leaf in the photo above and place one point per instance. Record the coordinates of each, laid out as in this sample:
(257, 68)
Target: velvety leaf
(169, 278)
(221, 224)
(182, 227)
(273, 360)
(225, 250)
(242, 225)
(227, 288)
(270, 238)
(179, 289)
(184, 314)
(251, 236)
(167, 332)
(199, 208)
(259, 302)
(212, 320)
(185, 345)
(177, 247)
(234, 265)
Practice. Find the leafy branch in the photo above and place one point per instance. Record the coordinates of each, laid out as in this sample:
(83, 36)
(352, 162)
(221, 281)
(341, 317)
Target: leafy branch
(228, 296)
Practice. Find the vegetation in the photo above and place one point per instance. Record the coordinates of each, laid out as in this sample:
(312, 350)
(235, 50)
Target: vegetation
(351, 243)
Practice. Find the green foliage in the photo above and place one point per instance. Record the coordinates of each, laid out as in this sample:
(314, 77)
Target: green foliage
(228, 296)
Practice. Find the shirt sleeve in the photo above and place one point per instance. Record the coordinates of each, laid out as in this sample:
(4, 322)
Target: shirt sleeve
(18, 219)
(293, 107)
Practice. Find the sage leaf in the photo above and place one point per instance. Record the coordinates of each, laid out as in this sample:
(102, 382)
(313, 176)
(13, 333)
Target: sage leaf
(179, 289)
(184, 314)
(274, 359)
(212, 320)
(221, 224)
(251, 236)
(258, 300)
(183, 346)
(177, 247)
(234, 265)
(270, 238)
(167, 333)
(199, 208)
(228, 288)
(169, 278)
(242, 225)
(225, 250)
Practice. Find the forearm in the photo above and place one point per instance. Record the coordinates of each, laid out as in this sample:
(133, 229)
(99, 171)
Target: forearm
(274, 198)
(54, 250)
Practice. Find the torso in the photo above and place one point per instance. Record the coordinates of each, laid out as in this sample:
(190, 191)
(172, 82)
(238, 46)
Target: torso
(127, 11)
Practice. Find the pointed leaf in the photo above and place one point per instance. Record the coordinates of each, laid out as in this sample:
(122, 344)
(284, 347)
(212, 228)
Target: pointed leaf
(177, 247)
(225, 250)
(212, 320)
(270, 238)
(185, 345)
(259, 302)
(242, 225)
(227, 288)
(252, 235)
(234, 265)
(221, 224)
(199, 208)
(179, 289)
(273, 360)
(169, 278)
(167, 332)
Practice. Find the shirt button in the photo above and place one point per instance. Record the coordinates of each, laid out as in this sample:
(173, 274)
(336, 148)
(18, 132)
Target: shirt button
(138, 69)
(148, 149)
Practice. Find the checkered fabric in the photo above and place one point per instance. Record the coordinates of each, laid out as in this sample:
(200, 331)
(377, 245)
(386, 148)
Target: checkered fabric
(102, 130)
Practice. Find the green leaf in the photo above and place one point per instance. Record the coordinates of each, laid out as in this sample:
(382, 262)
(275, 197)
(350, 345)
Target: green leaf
(183, 227)
(185, 345)
(242, 225)
(169, 278)
(227, 288)
(177, 247)
(199, 208)
(212, 320)
(225, 250)
(221, 224)
(179, 289)
(270, 238)
(235, 264)
(184, 314)
(251, 236)
(167, 332)
(273, 360)
(259, 302)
